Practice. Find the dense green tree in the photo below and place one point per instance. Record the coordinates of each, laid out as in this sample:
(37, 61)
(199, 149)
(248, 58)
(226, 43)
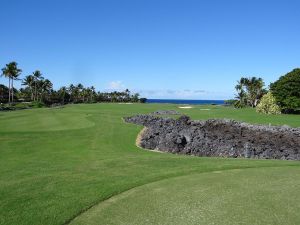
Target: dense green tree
(135, 97)
(4, 92)
(5, 73)
(63, 95)
(71, 90)
(143, 100)
(286, 90)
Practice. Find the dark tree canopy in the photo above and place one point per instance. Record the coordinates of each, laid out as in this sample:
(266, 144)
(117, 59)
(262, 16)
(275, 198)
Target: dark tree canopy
(286, 90)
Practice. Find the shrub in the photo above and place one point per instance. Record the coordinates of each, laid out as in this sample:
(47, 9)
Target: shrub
(239, 104)
(37, 104)
(230, 102)
(268, 105)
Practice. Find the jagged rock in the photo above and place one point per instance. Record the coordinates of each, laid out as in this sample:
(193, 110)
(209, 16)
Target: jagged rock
(165, 112)
(222, 138)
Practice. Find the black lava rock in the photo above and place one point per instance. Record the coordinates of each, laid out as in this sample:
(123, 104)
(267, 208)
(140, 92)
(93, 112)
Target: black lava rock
(221, 138)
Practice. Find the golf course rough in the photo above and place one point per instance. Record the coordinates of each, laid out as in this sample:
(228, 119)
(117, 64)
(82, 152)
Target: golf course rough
(57, 172)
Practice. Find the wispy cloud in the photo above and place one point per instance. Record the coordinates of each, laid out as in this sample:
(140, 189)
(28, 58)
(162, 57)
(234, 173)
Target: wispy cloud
(183, 94)
(169, 93)
(116, 85)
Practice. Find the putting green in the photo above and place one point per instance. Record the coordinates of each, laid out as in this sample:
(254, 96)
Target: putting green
(241, 196)
(43, 120)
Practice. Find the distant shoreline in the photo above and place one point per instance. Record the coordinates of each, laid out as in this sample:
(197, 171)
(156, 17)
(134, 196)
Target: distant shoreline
(186, 101)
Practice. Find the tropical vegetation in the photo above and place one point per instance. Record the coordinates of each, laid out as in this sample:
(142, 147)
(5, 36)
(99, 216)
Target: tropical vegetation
(12, 72)
(249, 91)
(284, 94)
(286, 90)
(268, 105)
(36, 88)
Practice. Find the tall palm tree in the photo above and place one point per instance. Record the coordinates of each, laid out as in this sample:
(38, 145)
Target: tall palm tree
(11, 71)
(93, 93)
(71, 90)
(44, 88)
(127, 95)
(241, 94)
(80, 91)
(5, 73)
(62, 92)
(14, 77)
(37, 77)
(29, 82)
(255, 90)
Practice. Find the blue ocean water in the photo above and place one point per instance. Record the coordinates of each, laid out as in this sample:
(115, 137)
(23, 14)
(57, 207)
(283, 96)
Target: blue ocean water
(189, 102)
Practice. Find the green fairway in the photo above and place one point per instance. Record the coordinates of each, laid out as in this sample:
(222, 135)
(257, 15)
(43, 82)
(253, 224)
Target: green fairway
(60, 165)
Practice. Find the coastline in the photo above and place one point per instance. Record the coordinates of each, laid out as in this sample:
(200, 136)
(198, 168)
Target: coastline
(186, 101)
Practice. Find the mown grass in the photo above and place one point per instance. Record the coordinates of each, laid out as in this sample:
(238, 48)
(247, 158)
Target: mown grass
(57, 163)
(264, 196)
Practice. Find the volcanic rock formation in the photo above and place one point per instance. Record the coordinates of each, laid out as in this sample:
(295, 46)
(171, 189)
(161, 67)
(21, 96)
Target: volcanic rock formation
(220, 138)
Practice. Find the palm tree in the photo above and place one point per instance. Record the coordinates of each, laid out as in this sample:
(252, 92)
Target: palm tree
(241, 94)
(93, 93)
(80, 91)
(71, 90)
(37, 77)
(14, 77)
(11, 71)
(135, 97)
(62, 92)
(29, 81)
(5, 73)
(87, 94)
(255, 90)
(45, 87)
(250, 90)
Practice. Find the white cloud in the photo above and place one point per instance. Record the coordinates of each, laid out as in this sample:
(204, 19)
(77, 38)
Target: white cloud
(116, 85)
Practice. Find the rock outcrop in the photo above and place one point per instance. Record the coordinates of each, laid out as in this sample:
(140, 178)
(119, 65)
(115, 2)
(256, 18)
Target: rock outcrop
(165, 112)
(220, 138)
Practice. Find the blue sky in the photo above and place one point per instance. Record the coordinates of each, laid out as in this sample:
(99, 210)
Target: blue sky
(161, 48)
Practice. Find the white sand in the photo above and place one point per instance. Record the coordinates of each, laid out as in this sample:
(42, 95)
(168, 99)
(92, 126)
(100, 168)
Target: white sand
(185, 107)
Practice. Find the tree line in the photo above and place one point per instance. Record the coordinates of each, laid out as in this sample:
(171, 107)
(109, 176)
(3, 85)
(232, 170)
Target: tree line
(281, 96)
(36, 88)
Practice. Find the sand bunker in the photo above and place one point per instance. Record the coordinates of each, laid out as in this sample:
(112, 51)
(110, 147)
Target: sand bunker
(185, 107)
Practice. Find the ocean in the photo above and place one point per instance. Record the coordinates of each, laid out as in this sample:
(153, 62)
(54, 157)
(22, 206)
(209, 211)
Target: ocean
(189, 102)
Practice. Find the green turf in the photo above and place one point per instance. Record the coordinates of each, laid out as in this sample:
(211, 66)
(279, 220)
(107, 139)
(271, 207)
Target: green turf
(57, 163)
(266, 196)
